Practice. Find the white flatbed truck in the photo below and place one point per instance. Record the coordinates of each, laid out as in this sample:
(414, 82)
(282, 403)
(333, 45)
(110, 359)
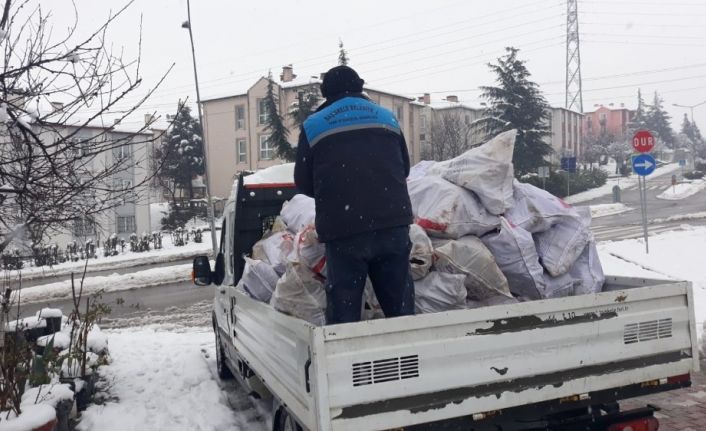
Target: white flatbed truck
(556, 364)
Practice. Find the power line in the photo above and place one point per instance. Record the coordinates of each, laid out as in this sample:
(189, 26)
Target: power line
(174, 90)
(248, 76)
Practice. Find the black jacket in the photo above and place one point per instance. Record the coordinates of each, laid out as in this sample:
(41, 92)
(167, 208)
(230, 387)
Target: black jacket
(352, 159)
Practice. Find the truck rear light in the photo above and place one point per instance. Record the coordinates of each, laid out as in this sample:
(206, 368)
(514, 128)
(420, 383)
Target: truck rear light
(643, 424)
(682, 378)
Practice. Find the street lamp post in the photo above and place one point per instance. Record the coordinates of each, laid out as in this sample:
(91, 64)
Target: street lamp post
(691, 107)
(209, 203)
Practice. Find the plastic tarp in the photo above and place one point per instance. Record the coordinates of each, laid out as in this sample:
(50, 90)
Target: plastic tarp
(536, 210)
(486, 170)
(298, 213)
(439, 291)
(420, 257)
(470, 257)
(515, 254)
(561, 245)
(259, 279)
(300, 294)
(447, 210)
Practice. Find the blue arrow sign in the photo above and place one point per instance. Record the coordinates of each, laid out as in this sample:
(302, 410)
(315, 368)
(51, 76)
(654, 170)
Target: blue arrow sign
(644, 164)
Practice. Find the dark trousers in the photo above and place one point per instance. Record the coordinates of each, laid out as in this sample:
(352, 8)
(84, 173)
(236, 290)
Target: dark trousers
(382, 255)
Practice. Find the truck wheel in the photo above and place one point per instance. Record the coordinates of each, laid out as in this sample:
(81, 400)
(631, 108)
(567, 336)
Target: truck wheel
(287, 421)
(224, 372)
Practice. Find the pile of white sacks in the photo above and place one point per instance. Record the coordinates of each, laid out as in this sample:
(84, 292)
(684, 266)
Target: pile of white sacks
(480, 238)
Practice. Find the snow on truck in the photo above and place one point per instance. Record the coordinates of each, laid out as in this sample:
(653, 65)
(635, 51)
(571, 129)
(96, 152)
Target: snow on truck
(562, 363)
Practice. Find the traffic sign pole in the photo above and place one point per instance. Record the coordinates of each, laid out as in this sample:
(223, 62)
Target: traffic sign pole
(643, 165)
(642, 182)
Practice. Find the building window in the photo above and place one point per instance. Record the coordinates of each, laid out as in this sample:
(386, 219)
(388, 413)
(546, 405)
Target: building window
(242, 149)
(122, 152)
(467, 119)
(267, 150)
(126, 224)
(423, 123)
(400, 110)
(422, 137)
(240, 117)
(263, 114)
(84, 226)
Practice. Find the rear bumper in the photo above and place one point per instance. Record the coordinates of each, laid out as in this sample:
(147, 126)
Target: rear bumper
(595, 413)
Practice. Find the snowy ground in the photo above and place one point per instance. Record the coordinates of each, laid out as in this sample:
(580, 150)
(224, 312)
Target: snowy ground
(168, 253)
(682, 190)
(165, 380)
(603, 210)
(109, 283)
(624, 183)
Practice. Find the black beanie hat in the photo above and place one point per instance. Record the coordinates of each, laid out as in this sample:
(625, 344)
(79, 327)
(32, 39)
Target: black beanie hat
(339, 80)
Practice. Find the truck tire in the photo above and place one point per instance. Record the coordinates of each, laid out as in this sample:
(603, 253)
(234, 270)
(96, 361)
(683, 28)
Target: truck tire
(224, 373)
(287, 421)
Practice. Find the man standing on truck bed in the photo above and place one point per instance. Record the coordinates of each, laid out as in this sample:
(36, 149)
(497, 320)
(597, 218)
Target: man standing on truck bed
(352, 159)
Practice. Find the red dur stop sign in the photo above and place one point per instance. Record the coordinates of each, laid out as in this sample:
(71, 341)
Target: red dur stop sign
(643, 141)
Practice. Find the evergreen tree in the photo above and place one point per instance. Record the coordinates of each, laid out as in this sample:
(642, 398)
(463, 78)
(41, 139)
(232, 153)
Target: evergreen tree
(181, 158)
(517, 103)
(657, 120)
(639, 121)
(279, 134)
(342, 54)
(305, 105)
(691, 130)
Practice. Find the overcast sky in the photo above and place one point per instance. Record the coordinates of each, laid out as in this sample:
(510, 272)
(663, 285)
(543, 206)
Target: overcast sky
(411, 47)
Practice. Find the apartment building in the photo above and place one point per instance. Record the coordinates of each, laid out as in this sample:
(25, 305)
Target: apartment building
(566, 133)
(432, 113)
(132, 215)
(611, 119)
(234, 125)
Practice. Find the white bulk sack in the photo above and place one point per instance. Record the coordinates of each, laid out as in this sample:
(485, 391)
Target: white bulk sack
(259, 279)
(274, 250)
(517, 258)
(448, 211)
(536, 210)
(300, 294)
(298, 213)
(420, 257)
(485, 170)
(439, 291)
(310, 252)
(561, 245)
(561, 286)
(588, 270)
(420, 169)
(470, 257)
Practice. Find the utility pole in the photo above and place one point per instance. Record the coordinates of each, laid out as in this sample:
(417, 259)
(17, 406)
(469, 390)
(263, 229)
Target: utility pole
(209, 202)
(574, 94)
